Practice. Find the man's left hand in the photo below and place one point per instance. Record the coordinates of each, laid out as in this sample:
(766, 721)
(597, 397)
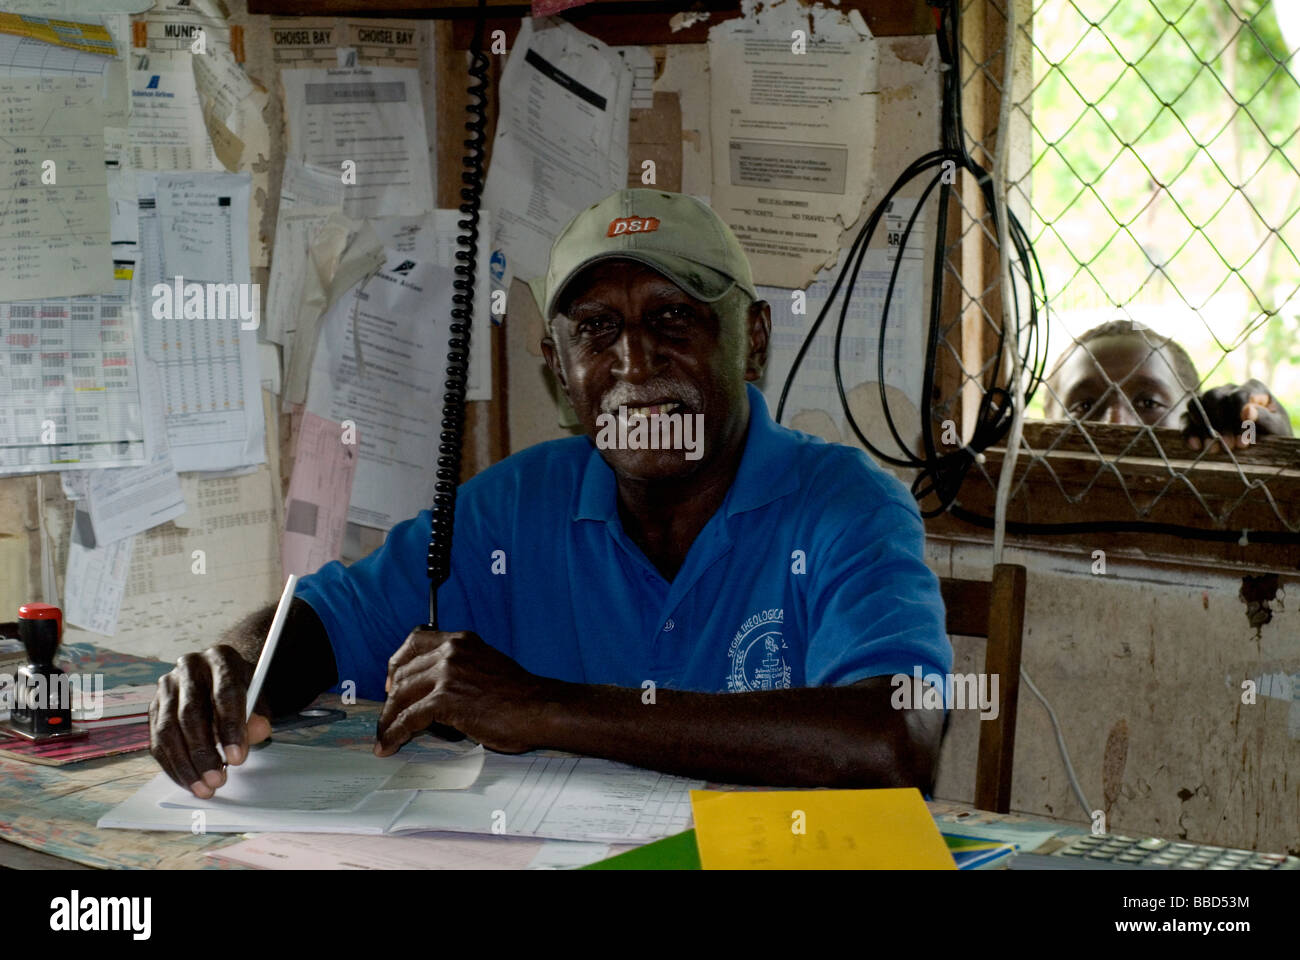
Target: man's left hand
(459, 680)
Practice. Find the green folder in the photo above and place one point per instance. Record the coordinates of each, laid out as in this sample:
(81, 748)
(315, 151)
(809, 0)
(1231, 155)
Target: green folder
(671, 853)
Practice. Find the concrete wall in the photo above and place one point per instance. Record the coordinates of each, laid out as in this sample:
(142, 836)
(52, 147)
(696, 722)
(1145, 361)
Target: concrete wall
(1144, 669)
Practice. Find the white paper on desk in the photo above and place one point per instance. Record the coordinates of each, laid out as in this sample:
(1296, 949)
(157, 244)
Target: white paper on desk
(793, 135)
(642, 64)
(195, 226)
(121, 503)
(166, 130)
(813, 403)
(402, 319)
(320, 488)
(54, 238)
(438, 772)
(561, 141)
(143, 811)
(72, 362)
(372, 117)
(308, 196)
(562, 798)
(420, 851)
(433, 237)
(296, 778)
(95, 583)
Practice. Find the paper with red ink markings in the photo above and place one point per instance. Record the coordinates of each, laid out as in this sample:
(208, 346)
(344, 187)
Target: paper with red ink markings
(103, 742)
(320, 489)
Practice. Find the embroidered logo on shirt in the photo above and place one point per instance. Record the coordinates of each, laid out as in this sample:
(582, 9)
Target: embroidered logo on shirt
(757, 654)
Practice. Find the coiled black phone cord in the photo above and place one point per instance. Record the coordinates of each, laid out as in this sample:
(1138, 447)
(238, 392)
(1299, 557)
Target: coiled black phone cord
(453, 403)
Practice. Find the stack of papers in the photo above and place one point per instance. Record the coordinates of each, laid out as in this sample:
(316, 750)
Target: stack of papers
(296, 789)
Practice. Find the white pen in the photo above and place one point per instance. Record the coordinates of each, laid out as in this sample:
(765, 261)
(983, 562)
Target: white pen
(268, 648)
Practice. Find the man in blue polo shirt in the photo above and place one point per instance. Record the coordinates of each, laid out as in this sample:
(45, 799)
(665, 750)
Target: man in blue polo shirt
(688, 587)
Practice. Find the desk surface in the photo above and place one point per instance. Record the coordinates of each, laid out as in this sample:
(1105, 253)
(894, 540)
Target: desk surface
(48, 814)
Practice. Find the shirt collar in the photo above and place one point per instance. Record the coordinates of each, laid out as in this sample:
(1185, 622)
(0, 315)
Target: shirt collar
(766, 472)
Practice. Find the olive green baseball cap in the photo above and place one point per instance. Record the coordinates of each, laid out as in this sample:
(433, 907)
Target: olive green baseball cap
(672, 233)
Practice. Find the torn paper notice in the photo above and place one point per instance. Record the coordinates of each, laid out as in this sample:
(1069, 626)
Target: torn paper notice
(342, 253)
(121, 503)
(401, 318)
(308, 196)
(70, 390)
(367, 123)
(194, 235)
(94, 584)
(231, 107)
(320, 488)
(54, 238)
(166, 129)
(561, 141)
(793, 134)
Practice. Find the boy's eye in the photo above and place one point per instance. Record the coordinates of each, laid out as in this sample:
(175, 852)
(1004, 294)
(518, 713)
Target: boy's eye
(1080, 407)
(1147, 403)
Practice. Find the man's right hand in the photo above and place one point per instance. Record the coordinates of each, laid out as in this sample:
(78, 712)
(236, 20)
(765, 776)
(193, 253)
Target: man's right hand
(199, 704)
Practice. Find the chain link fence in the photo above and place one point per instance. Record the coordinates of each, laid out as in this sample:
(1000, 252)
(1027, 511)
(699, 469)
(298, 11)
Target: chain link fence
(1153, 156)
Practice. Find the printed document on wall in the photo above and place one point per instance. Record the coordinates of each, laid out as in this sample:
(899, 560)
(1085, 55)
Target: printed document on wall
(561, 142)
(793, 134)
(54, 238)
(401, 320)
(434, 237)
(366, 124)
(166, 129)
(70, 391)
(813, 404)
(200, 315)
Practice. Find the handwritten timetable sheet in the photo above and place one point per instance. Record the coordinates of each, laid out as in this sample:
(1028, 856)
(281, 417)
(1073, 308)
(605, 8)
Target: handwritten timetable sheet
(53, 189)
(195, 226)
(70, 392)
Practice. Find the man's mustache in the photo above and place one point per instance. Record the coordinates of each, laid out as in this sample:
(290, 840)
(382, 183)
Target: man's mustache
(643, 394)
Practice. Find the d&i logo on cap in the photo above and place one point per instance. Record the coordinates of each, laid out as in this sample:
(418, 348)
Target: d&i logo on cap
(632, 225)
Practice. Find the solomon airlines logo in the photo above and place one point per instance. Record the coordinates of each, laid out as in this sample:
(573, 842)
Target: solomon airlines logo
(757, 654)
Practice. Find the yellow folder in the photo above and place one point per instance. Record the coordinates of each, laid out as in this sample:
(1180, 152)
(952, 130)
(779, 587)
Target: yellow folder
(817, 830)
